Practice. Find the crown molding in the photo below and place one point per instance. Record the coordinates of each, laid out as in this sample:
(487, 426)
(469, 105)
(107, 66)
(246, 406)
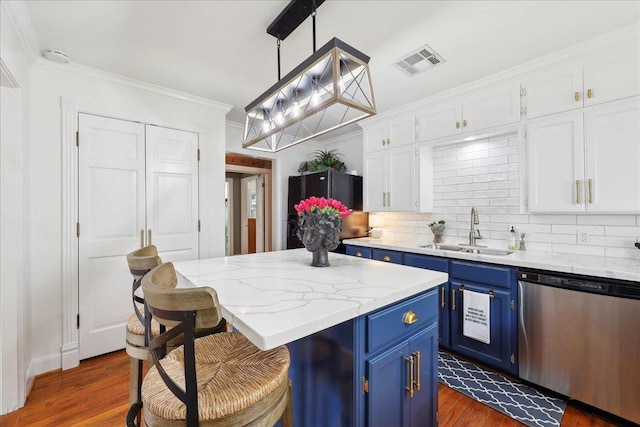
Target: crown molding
(613, 40)
(116, 80)
(16, 11)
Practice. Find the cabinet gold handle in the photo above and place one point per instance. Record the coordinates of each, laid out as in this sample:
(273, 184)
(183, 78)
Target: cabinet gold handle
(410, 317)
(457, 125)
(142, 238)
(388, 198)
(590, 190)
(464, 123)
(386, 258)
(578, 198)
(384, 141)
(442, 292)
(384, 199)
(409, 360)
(589, 93)
(388, 141)
(417, 379)
(576, 96)
(149, 237)
(358, 254)
(453, 300)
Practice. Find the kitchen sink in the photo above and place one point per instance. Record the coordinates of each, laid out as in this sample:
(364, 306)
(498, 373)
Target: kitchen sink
(443, 247)
(482, 250)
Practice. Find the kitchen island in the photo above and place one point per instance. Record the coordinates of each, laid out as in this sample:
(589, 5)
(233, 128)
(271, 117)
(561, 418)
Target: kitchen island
(362, 334)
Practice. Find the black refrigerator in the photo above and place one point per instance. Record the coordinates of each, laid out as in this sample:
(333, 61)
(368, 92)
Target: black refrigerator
(341, 186)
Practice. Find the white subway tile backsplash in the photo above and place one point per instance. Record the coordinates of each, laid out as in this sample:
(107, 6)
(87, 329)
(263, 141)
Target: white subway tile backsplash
(485, 174)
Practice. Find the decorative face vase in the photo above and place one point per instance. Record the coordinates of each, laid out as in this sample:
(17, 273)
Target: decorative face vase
(319, 231)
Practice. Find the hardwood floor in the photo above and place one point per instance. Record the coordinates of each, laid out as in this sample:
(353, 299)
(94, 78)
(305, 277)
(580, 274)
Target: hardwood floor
(97, 394)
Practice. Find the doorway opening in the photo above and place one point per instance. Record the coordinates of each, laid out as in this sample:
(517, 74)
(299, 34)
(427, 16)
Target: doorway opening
(248, 205)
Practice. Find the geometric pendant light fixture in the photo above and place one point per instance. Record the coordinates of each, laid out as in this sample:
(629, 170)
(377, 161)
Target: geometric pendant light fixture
(330, 89)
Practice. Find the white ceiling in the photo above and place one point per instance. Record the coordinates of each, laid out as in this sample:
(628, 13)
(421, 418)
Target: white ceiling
(220, 49)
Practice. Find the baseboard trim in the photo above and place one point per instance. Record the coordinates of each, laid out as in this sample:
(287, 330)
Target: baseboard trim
(40, 365)
(70, 356)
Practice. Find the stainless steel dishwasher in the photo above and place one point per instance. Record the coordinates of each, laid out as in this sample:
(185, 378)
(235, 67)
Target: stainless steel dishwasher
(580, 336)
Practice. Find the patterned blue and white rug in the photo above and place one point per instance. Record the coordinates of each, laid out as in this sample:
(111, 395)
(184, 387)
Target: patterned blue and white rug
(518, 401)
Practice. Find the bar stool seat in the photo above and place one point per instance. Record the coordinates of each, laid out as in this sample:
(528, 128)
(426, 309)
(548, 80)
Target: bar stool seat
(136, 347)
(234, 378)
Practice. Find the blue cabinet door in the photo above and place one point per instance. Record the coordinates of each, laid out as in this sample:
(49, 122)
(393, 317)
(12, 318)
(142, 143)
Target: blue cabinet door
(500, 352)
(358, 251)
(387, 401)
(424, 349)
(437, 264)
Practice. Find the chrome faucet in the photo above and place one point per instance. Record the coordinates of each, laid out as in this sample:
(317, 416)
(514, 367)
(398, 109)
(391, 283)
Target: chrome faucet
(473, 233)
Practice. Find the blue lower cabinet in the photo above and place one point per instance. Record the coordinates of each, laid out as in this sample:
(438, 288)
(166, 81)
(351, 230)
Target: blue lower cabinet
(345, 377)
(500, 352)
(386, 256)
(437, 264)
(358, 251)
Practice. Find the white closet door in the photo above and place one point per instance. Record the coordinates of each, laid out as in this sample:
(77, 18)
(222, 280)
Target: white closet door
(111, 215)
(172, 192)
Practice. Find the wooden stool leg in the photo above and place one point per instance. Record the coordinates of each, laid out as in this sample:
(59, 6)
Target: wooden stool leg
(287, 416)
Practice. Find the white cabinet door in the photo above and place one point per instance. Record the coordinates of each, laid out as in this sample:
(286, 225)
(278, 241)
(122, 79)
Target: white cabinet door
(612, 77)
(556, 163)
(440, 120)
(401, 132)
(554, 91)
(172, 192)
(375, 182)
(401, 179)
(492, 106)
(111, 213)
(375, 139)
(612, 165)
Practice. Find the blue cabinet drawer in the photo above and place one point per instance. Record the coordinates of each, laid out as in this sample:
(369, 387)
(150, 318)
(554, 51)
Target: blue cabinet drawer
(428, 262)
(503, 277)
(359, 251)
(387, 256)
(389, 324)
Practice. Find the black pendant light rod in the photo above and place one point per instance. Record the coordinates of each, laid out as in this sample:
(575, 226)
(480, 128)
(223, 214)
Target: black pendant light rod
(313, 18)
(278, 44)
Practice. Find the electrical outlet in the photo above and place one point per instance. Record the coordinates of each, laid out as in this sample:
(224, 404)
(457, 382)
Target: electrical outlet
(583, 237)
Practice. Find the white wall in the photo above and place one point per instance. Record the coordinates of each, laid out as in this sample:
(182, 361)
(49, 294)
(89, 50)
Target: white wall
(485, 174)
(50, 85)
(14, 224)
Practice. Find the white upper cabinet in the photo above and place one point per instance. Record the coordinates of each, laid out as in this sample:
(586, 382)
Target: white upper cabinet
(553, 91)
(556, 163)
(604, 78)
(476, 110)
(389, 176)
(390, 134)
(587, 160)
(612, 77)
(492, 106)
(612, 157)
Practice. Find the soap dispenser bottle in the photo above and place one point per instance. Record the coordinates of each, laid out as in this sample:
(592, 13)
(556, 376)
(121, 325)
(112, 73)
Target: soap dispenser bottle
(512, 238)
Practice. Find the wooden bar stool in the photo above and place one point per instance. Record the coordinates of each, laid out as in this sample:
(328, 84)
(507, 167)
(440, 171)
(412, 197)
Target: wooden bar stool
(217, 380)
(140, 262)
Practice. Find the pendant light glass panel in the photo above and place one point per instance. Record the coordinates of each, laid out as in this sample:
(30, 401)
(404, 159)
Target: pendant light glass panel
(331, 89)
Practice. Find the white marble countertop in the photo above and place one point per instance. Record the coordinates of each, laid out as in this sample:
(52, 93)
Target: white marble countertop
(274, 298)
(589, 265)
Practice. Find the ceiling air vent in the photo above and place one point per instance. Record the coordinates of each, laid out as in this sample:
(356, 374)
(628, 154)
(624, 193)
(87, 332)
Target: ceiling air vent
(419, 60)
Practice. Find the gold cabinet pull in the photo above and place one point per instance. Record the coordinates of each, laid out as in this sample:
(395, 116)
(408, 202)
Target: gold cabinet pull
(417, 379)
(464, 123)
(453, 300)
(409, 360)
(442, 292)
(457, 125)
(386, 258)
(589, 93)
(142, 238)
(388, 141)
(578, 198)
(410, 317)
(358, 254)
(384, 199)
(388, 199)
(590, 190)
(384, 141)
(149, 237)
(576, 96)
